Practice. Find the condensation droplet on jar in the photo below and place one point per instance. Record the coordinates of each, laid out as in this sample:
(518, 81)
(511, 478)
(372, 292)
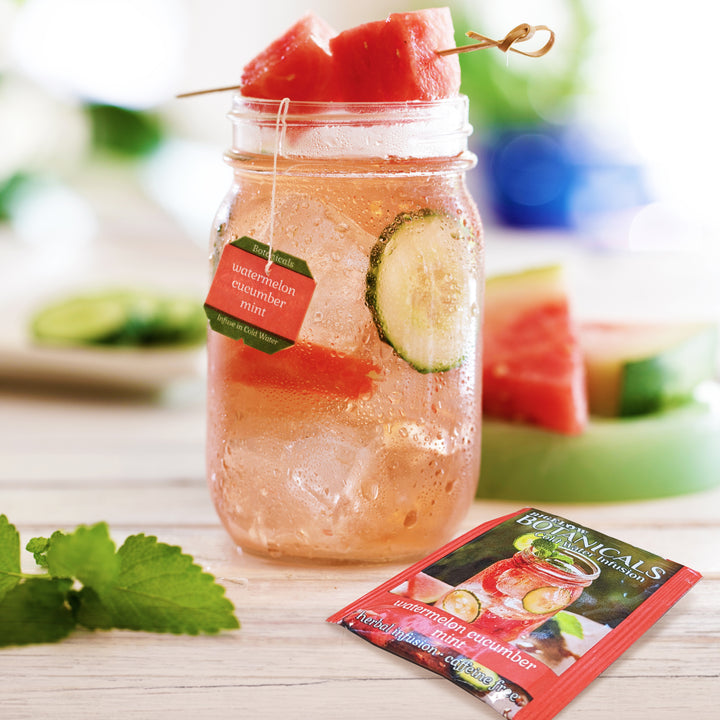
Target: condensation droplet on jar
(370, 491)
(410, 519)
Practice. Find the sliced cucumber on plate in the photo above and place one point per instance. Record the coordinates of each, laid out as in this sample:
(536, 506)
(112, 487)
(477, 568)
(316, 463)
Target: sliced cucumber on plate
(422, 290)
(120, 317)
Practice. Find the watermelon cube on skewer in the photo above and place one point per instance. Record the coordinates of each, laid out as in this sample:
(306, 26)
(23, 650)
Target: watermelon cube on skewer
(395, 59)
(384, 61)
(297, 65)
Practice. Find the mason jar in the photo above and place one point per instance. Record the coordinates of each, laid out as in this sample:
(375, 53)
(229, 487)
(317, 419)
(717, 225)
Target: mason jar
(344, 371)
(514, 596)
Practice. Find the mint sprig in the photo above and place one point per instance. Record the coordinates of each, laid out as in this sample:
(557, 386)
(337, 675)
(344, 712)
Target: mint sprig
(546, 549)
(84, 581)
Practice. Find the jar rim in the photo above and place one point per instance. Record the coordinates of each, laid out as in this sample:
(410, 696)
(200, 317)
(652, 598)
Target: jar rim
(587, 567)
(242, 102)
(413, 129)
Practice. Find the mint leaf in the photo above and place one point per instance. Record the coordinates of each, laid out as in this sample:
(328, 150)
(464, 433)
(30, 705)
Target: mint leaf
(569, 624)
(35, 612)
(9, 556)
(145, 585)
(90, 612)
(543, 548)
(38, 547)
(87, 554)
(159, 589)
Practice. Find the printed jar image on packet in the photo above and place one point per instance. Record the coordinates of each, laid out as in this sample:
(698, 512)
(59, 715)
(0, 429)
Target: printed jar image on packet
(523, 611)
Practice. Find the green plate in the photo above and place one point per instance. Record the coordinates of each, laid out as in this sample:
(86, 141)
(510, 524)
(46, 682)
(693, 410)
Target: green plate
(659, 455)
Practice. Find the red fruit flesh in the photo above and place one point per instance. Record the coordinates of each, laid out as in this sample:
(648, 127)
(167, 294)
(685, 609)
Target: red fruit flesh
(395, 59)
(384, 61)
(533, 370)
(297, 65)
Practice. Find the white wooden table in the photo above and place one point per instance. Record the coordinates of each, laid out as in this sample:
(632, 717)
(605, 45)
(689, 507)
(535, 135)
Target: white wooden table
(69, 460)
(74, 458)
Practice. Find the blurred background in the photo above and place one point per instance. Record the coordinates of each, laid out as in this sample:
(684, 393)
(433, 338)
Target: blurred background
(605, 152)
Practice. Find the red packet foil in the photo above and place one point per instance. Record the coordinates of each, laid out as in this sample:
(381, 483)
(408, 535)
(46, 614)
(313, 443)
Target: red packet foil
(523, 611)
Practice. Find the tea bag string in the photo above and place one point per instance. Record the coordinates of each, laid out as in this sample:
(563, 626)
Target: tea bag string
(280, 127)
(521, 33)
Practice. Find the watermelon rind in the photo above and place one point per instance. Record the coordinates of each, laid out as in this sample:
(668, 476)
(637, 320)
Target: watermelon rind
(640, 368)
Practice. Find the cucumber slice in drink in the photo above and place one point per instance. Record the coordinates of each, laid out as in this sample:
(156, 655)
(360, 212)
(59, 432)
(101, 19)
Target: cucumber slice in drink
(544, 600)
(421, 290)
(462, 603)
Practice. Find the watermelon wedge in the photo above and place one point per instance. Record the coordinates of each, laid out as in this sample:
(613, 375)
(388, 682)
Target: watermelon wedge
(383, 61)
(533, 369)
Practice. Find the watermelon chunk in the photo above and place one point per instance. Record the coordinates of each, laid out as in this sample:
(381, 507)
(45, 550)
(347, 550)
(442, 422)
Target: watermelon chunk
(395, 59)
(384, 61)
(297, 65)
(533, 369)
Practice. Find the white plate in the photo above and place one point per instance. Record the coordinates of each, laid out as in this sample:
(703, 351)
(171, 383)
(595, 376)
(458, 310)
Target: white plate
(138, 370)
(111, 368)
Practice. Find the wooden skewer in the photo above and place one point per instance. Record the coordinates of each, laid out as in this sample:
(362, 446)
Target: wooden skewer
(518, 34)
(521, 33)
(205, 92)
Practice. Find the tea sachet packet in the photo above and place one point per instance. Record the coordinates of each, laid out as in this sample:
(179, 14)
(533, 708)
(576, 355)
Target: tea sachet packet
(523, 611)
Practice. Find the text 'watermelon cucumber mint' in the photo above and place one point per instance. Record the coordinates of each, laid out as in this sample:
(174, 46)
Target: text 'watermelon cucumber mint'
(523, 611)
(347, 257)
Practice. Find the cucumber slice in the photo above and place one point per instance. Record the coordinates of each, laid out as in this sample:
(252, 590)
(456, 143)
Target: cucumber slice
(525, 541)
(80, 320)
(544, 600)
(422, 290)
(462, 603)
(121, 317)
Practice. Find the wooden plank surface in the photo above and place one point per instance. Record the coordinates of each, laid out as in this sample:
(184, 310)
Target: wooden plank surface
(139, 467)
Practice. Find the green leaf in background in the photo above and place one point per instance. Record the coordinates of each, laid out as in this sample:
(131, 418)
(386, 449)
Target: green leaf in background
(569, 624)
(159, 589)
(513, 91)
(125, 132)
(87, 554)
(11, 188)
(35, 612)
(9, 556)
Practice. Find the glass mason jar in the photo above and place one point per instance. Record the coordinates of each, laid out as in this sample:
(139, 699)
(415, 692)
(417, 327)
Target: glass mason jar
(514, 596)
(361, 440)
